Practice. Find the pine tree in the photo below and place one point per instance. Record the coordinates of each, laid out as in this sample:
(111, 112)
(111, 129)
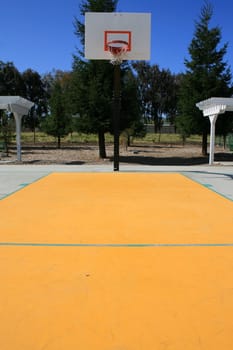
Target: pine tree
(58, 122)
(207, 75)
(93, 86)
(35, 92)
(95, 79)
(158, 93)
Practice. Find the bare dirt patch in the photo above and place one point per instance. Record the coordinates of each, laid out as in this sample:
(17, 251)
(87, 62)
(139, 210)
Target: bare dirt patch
(136, 154)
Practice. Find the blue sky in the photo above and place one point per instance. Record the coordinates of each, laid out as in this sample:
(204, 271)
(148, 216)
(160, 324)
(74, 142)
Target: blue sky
(39, 34)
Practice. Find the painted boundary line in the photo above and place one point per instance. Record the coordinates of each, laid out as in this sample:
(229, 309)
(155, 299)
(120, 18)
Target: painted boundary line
(208, 186)
(24, 185)
(114, 245)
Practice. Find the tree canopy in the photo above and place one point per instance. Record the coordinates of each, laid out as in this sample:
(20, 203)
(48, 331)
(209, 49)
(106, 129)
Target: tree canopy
(93, 85)
(158, 92)
(58, 122)
(207, 75)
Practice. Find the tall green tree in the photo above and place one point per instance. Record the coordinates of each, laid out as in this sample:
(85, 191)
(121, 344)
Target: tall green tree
(131, 120)
(35, 91)
(93, 86)
(58, 122)
(94, 100)
(91, 6)
(143, 75)
(158, 92)
(207, 75)
(95, 77)
(11, 81)
(6, 129)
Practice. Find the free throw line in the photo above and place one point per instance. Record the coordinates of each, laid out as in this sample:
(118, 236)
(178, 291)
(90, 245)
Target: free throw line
(115, 245)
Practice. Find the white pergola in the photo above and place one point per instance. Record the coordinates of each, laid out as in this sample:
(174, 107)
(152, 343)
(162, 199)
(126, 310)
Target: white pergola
(211, 108)
(19, 106)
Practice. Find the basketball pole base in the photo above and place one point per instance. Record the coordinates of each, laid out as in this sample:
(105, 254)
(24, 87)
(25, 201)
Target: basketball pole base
(116, 114)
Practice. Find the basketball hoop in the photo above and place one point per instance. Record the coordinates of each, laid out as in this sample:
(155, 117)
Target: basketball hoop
(117, 50)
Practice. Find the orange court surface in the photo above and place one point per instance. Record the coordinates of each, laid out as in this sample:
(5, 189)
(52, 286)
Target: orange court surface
(116, 261)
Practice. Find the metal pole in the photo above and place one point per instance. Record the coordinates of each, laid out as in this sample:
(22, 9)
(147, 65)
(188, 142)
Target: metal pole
(116, 114)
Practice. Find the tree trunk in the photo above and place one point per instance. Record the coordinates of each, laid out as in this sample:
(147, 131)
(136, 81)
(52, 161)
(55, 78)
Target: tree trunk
(128, 140)
(101, 139)
(204, 143)
(59, 142)
(224, 141)
(6, 145)
(155, 125)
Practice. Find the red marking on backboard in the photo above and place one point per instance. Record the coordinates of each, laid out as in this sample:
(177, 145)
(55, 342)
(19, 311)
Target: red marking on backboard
(108, 33)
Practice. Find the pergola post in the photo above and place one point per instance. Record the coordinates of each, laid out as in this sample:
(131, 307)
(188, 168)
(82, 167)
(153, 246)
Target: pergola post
(211, 108)
(19, 106)
(212, 119)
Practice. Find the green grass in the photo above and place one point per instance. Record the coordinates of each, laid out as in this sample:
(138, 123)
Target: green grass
(167, 139)
(40, 137)
(80, 138)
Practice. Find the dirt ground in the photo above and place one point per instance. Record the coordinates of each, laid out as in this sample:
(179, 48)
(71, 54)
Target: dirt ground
(159, 154)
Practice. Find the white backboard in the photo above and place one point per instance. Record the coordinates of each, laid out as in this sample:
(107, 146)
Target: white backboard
(104, 27)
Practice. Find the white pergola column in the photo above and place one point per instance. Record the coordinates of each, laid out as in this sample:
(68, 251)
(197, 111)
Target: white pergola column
(212, 119)
(19, 106)
(211, 108)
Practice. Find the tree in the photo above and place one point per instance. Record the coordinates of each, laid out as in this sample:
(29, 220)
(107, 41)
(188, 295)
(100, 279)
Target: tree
(142, 69)
(94, 100)
(11, 81)
(157, 90)
(58, 122)
(91, 6)
(131, 120)
(95, 77)
(92, 95)
(35, 91)
(207, 75)
(6, 128)
(224, 126)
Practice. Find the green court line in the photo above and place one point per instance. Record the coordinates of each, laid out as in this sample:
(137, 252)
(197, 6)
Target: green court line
(114, 245)
(23, 185)
(208, 186)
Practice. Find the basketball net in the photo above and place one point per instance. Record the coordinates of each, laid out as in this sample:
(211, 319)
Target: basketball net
(117, 50)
